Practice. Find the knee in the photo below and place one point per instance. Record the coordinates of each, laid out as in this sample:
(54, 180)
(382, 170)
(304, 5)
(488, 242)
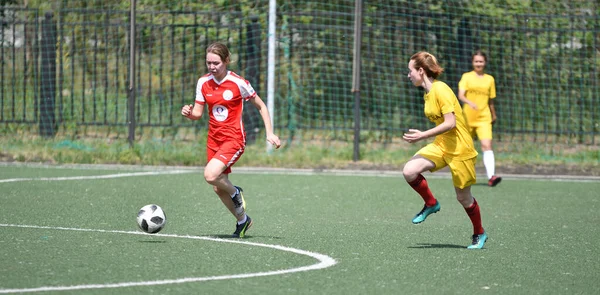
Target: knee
(211, 178)
(461, 198)
(464, 198)
(486, 146)
(410, 173)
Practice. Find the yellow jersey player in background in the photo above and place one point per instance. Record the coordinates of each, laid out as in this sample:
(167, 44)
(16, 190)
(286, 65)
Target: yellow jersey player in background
(477, 91)
(452, 146)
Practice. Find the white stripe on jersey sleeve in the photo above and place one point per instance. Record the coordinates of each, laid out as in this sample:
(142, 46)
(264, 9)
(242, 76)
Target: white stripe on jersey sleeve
(246, 89)
(201, 81)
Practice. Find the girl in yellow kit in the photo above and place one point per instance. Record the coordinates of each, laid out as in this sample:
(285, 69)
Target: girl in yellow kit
(477, 91)
(452, 146)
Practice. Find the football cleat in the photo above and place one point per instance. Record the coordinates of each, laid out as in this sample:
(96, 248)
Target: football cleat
(240, 229)
(478, 241)
(494, 181)
(421, 216)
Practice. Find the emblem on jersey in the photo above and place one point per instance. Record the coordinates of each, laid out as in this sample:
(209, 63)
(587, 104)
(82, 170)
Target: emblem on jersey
(220, 112)
(433, 118)
(227, 95)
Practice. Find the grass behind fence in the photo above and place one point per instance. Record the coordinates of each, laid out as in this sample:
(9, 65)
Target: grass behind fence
(186, 146)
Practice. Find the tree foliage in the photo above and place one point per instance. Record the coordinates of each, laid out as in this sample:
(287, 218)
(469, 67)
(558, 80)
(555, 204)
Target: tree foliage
(531, 42)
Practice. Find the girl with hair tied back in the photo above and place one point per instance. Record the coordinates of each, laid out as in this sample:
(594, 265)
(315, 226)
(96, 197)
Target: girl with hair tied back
(452, 145)
(222, 93)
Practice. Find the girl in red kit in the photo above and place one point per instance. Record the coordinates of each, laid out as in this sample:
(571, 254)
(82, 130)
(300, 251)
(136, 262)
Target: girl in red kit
(224, 92)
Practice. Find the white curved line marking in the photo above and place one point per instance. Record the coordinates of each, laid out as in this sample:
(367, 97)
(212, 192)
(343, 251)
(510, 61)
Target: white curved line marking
(324, 262)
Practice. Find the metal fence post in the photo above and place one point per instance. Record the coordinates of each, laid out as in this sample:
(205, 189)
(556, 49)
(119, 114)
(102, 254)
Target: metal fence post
(47, 124)
(131, 97)
(356, 61)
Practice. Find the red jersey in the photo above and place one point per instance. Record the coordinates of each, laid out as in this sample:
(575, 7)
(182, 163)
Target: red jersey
(225, 101)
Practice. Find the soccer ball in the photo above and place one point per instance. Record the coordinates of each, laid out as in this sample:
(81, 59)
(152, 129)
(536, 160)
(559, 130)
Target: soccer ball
(151, 218)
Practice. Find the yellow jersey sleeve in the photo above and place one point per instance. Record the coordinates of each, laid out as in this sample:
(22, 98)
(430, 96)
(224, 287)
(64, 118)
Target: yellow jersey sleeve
(439, 101)
(492, 88)
(462, 84)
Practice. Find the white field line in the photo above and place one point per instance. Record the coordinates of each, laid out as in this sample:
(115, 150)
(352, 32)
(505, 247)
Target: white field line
(324, 262)
(293, 171)
(398, 174)
(106, 176)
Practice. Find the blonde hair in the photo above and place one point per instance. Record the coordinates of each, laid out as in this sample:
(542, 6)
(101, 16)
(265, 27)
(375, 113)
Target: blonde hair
(428, 62)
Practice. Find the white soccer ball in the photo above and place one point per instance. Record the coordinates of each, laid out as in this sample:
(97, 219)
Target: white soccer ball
(151, 218)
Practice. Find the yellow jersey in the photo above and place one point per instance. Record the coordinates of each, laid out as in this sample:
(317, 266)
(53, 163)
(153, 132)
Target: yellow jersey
(456, 143)
(479, 90)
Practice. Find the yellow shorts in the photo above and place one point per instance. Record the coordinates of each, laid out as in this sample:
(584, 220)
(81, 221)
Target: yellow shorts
(463, 171)
(483, 131)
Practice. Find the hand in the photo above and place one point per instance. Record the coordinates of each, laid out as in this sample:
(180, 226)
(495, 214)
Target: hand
(473, 106)
(274, 140)
(493, 119)
(186, 110)
(412, 135)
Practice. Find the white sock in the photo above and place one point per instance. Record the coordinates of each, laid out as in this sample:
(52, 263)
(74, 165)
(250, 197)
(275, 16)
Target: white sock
(244, 219)
(489, 163)
(236, 192)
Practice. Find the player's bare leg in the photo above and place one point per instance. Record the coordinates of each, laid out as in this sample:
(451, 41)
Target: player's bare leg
(213, 174)
(227, 192)
(412, 172)
(415, 166)
(465, 198)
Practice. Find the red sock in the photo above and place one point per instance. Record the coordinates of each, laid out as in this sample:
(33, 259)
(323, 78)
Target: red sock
(421, 187)
(473, 212)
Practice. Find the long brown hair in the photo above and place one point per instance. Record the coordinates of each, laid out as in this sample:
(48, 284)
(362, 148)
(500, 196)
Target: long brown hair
(428, 62)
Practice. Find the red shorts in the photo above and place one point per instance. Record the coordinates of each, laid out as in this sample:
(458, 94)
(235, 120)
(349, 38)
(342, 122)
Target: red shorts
(227, 152)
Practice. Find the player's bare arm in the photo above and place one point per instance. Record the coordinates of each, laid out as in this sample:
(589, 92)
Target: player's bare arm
(462, 97)
(414, 135)
(264, 113)
(492, 110)
(192, 111)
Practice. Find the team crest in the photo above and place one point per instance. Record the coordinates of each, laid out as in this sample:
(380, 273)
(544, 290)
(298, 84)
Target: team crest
(220, 112)
(227, 94)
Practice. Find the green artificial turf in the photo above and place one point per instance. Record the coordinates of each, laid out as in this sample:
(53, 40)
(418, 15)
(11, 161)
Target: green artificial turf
(544, 235)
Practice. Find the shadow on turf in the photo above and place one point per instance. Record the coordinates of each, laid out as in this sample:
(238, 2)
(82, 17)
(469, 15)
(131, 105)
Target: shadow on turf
(221, 236)
(436, 246)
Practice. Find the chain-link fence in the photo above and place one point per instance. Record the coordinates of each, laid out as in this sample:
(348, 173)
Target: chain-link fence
(69, 68)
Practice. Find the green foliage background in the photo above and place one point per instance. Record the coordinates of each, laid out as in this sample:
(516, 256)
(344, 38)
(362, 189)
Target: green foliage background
(544, 55)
